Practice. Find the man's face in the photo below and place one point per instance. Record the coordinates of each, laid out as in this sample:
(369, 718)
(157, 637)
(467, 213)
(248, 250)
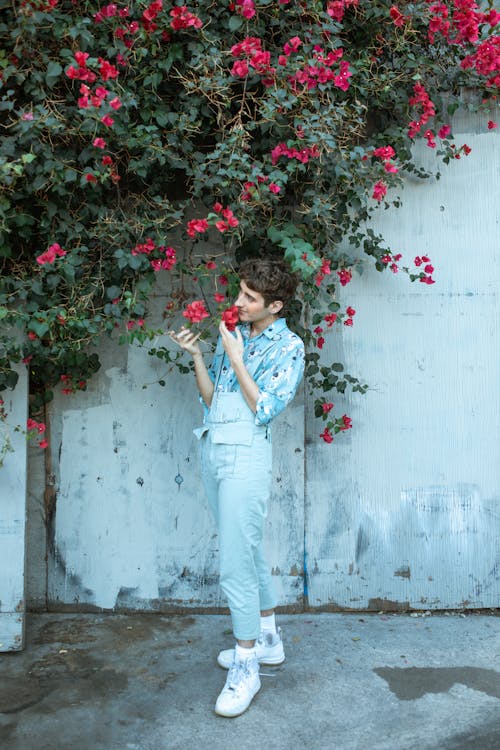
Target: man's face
(252, 308)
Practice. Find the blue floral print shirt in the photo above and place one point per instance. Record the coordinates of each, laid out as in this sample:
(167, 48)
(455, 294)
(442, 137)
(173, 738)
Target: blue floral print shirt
(274, 359)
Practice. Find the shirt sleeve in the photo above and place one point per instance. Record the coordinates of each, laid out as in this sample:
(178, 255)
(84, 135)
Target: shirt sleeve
(279, 383)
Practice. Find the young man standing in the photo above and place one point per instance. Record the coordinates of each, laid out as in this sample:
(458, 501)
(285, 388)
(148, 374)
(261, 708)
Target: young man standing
(254, 374)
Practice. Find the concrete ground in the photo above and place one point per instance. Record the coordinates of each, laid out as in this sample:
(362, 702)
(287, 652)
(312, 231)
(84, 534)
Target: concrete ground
(350, 682)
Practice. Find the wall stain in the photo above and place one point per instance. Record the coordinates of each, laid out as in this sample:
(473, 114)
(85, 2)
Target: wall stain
(411, 683)
(404, 571)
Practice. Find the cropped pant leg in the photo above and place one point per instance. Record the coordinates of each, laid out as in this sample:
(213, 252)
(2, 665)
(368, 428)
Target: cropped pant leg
(237, 481)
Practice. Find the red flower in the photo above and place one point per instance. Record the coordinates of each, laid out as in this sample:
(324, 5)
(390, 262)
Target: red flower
(49, 256)
(330, 319)
(196, 311)
(345, 276)
(326, 407)
(379, 190)
(218, 297)
(384, 152)
(351, 311)
(240, 68)
(397, 16)
(492, 125)
(210, 265)
(115, 103)
(31, 424)
(320, 342)
(197, 226)
(327, 435)
(223, 280)
(43, 444)
(231, 317)
(349, 322)
(108, 121)
(444, 131)
(347, 423)
(99, 143)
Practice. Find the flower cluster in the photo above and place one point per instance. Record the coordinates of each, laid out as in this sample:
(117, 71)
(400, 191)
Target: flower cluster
(49, 256)
(422, 100)
(231, 317)
(337, 8)
(339, 425)
(182, 18)
(167, 255)
(486, 61)
(391, 261)
(245, 8)
(425, 276)
(251, 189)
(71, 385)
(223, 220)
(303, 154)
(255, 57)
(312, 75)
(196, 311)
(36, 428)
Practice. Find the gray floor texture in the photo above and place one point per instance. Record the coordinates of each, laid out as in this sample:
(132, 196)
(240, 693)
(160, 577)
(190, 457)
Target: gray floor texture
(350, 682)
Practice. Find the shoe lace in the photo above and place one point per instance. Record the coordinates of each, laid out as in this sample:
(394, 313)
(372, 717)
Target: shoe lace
(238, 672)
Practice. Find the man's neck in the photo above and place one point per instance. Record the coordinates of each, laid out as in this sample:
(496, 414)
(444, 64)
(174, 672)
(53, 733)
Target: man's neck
(260, 325)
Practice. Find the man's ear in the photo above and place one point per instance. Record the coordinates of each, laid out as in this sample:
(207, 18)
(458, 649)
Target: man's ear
(276, 306)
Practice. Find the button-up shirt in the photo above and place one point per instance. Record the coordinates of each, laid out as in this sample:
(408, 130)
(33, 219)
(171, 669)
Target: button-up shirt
(274, 359)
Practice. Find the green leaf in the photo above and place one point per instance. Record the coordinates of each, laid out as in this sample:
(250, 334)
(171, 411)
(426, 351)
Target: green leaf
(53, 72)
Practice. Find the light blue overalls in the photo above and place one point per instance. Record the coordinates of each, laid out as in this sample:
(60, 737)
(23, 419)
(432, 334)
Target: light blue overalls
(236, 466)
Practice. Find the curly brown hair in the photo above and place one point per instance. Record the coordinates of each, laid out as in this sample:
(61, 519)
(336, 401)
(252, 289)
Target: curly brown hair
(271, 277)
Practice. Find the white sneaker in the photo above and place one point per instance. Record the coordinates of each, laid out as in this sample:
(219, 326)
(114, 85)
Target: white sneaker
(269, 648)
(242, 683)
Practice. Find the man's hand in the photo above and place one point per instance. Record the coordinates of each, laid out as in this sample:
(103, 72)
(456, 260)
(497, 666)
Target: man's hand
(233, 345)
(187, 340)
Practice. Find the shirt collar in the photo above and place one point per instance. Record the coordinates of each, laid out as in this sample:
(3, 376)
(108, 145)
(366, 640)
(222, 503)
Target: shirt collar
(272, 331)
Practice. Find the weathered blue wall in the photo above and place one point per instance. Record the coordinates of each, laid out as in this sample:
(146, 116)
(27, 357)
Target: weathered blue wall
(13, 517)
(401, 511)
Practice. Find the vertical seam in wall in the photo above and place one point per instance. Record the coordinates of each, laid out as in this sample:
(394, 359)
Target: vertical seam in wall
(305, 589)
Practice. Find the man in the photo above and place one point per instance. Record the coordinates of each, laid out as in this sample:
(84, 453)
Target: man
(254, 375)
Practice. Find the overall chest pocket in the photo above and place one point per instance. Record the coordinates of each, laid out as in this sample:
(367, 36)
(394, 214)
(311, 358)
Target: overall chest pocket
(232, 433)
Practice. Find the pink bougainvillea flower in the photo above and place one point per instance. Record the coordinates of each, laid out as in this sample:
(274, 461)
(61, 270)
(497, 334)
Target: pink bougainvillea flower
(326, 435)
(330, 319)
(218, 297)
(345, 276)
(492, 125)
(327, 406)
(43, 444)
(318, 330)
(320, 342)
(349, 322)
(49, 256)
(196, 311)
(379, 190)
(384, 152)
(183, 19)
(197, 226)
(31, 424)
(223, 280)
(274, 188)
(444, 131)
(350, 312)
(231, 317)
(347, 423)
(99, 143)
(106, 161)
(397, 17)
(32, 336)
(115, 103)
(108, 121)
(210, 265)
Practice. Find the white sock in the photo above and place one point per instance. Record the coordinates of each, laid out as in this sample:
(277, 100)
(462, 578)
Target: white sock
(241, 652)
(268, 624)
